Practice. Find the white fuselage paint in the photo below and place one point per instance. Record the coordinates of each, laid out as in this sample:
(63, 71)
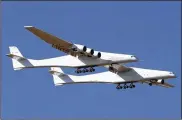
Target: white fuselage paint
(136, 74)
(82, 61)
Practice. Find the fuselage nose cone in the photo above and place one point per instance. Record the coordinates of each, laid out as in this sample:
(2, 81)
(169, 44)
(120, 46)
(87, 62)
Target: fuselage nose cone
(172, 74)
(134, 58)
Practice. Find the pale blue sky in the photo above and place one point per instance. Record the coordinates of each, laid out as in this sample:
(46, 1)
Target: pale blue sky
(149, 30)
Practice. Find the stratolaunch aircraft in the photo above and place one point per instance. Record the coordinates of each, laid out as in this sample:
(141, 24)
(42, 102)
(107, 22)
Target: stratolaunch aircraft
(134, 75)
(79, 56)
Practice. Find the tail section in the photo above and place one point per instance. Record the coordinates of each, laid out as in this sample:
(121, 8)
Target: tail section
(15, 53)
(56, 71)
(59, 77)
(17, 58)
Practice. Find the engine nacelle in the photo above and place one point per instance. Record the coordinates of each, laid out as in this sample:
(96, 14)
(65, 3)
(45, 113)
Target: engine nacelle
(78, 47)
(90, 51)
(97, 54)
(160, 81)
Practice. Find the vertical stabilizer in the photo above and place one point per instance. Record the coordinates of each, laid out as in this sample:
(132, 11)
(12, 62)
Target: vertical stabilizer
(17, 57)
(15, 51)
(59, 77)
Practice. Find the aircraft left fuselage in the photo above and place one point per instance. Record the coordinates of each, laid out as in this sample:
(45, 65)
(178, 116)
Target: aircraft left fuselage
(77, 62)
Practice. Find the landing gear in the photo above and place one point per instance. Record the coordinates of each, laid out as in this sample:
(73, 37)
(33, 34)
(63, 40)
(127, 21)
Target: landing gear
(118, 86)
(112, 69)
(162, 82)
(125, 86)
(91, 69)
(84, 70)
(78, 71)
(132, 86)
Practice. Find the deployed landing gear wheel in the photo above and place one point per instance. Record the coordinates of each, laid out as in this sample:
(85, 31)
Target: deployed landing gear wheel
(132, 86)
(86, 70)
(91, 69)
(118, 86)
(83, 70)
(125, 86)
(78, 71)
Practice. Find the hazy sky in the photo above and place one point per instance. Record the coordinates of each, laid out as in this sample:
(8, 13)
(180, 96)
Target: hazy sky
(149, 30)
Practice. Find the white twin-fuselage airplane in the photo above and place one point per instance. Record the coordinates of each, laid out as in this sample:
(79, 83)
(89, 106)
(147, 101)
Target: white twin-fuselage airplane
(85, 59)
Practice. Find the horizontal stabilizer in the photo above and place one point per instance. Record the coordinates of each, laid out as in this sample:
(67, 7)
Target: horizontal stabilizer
(56, 71)
(16, 57)
(15, 53)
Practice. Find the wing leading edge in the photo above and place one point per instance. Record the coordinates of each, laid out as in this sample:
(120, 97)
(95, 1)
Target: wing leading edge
(53, 40)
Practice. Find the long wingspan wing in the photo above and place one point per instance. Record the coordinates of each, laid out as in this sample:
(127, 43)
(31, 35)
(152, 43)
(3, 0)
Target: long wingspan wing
(53, 40)
(56, 42)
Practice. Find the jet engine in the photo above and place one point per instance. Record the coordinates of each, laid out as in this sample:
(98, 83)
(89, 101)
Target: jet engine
(90, 51)
(160, 81)
(87, 51)
(97, 54)
(80, 48)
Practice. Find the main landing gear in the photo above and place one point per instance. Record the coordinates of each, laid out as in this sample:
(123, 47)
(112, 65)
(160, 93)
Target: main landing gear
(84, 70)
(125, 86)
(112, 69)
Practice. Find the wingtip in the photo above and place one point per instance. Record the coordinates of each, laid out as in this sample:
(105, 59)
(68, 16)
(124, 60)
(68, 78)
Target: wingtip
(28, 26)
(9, 55)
